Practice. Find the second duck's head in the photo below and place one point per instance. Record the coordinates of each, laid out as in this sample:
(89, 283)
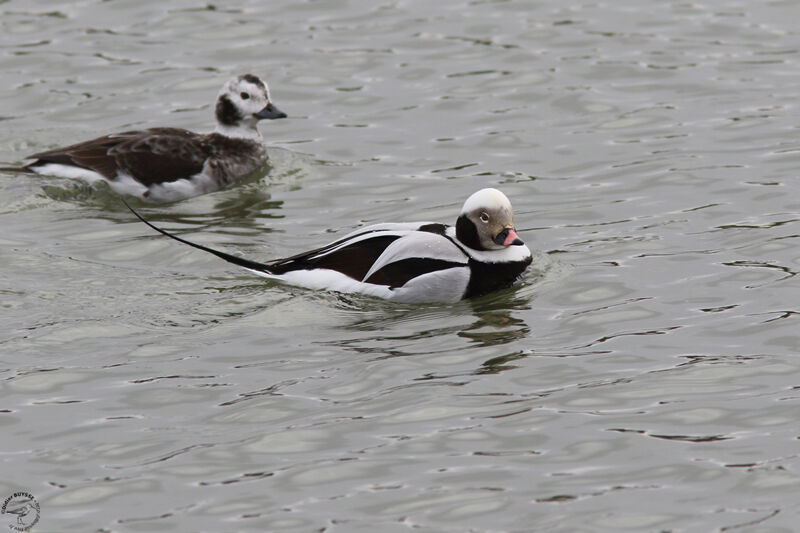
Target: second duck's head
(243, 101)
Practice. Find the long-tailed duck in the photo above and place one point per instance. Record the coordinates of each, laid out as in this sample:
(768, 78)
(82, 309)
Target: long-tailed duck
(409, 262)
(167, 164)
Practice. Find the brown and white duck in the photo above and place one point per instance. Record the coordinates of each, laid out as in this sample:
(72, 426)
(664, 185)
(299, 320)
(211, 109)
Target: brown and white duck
(167, 164)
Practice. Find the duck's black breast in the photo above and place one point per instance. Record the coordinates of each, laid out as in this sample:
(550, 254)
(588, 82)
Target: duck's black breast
(489, 277)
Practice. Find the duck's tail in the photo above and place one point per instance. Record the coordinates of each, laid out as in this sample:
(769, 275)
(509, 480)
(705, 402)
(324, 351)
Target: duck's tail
(240, 261)
(17, 170)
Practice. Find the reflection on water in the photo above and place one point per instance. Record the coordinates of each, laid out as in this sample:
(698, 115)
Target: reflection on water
(501, 363)
(247, 205)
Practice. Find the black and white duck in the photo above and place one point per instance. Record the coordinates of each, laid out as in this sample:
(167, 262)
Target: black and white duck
(409, 262)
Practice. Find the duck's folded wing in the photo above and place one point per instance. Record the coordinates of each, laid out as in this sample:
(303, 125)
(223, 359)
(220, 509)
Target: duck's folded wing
(352, 257)
(163, 155)
(150, 156)
(413, 255)
(92, 155)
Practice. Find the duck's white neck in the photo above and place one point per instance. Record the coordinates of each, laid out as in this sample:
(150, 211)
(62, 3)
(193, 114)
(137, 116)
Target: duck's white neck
(240, 132)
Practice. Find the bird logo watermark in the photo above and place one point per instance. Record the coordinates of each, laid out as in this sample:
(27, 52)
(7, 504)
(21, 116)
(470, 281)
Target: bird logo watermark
(23, 510)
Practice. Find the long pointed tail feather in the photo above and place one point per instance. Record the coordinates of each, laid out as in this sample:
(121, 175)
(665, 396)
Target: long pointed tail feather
(246, 263)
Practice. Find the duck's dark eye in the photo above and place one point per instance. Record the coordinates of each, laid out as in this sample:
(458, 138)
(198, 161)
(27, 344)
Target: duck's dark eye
(244, 96)
(484, 217)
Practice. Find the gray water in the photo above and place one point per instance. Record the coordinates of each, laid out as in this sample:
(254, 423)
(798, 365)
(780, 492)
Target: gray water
(646, 377)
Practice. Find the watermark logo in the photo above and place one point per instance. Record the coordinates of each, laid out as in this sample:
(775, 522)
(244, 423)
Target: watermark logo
(23, 511)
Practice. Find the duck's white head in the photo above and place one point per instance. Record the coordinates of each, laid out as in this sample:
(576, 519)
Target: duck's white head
(242, 102)
(486, 222)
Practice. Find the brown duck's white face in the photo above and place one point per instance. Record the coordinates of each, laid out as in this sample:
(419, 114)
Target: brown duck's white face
(489, 210)
(243, 101)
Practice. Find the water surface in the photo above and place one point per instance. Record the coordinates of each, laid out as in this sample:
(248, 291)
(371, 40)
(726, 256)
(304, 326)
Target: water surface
(644, 379)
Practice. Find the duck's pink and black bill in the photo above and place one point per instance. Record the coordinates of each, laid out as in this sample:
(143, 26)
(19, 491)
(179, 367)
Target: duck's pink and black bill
(508, 237)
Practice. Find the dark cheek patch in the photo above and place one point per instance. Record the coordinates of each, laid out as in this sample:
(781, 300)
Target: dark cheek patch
(467, 233)
(226, 111)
